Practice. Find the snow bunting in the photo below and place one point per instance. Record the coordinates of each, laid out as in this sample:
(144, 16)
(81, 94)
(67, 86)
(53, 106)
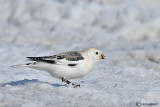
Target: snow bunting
(67, 65)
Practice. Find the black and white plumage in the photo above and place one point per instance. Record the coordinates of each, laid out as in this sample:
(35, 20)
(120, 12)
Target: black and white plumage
(67, 65)
(70, 56)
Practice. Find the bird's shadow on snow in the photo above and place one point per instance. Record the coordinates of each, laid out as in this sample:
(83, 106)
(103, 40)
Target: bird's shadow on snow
(23, 82)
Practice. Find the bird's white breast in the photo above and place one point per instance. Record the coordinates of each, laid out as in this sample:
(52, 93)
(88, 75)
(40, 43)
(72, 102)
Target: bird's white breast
(68, 72)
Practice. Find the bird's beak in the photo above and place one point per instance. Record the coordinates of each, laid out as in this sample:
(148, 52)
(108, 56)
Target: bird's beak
(102, 56)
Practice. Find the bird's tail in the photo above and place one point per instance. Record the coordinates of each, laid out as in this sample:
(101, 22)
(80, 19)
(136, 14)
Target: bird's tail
(23, 65)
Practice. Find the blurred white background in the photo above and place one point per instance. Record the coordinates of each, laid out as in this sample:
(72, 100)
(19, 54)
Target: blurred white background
(127, 32)
(124, 30)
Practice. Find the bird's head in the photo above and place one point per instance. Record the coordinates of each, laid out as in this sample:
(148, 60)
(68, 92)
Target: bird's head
(95, 54)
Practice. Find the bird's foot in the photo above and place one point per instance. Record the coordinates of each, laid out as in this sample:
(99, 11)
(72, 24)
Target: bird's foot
(68, 82)
(75, 86)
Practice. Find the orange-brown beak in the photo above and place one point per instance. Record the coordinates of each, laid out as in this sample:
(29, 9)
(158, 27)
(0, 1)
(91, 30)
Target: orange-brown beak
(102, 56)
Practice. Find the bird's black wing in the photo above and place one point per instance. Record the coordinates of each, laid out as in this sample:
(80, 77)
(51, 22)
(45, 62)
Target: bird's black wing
(67, 58)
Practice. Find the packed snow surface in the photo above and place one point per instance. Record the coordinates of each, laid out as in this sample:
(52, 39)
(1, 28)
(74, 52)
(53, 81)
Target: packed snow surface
(127, 32)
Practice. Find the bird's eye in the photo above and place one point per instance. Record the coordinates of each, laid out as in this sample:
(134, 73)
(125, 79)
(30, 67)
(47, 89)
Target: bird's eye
(97, 53)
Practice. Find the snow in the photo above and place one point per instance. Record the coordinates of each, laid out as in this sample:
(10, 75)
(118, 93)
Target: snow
(127, 32)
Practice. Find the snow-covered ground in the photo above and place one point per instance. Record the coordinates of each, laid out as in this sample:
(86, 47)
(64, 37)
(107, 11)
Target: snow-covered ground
(127, 31)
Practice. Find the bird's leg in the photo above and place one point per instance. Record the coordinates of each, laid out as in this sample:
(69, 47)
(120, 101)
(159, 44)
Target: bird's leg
(68, 82)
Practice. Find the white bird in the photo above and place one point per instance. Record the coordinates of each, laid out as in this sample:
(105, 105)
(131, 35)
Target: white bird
(67, 65)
